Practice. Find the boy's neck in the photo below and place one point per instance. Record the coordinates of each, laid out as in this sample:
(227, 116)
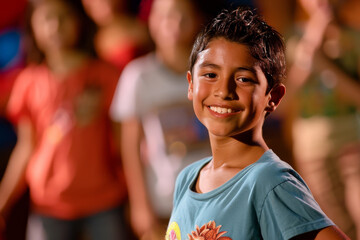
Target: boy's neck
(236, 152)
(230, 156)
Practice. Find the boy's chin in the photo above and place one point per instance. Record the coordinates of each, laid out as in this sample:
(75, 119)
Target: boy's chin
(223, 133)
(239, 134)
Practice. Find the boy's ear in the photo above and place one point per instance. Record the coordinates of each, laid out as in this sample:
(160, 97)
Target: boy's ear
(275, 96)
(190, 88)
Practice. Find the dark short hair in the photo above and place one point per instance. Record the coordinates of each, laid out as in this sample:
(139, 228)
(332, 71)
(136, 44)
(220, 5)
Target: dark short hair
(244, 26)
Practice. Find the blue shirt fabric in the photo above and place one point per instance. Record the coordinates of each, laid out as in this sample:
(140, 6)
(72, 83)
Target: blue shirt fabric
(266, 200)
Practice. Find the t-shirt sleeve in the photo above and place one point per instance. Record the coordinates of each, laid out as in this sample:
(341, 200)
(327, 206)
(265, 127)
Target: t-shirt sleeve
(17, 106)
(290, 210)
(123, 104)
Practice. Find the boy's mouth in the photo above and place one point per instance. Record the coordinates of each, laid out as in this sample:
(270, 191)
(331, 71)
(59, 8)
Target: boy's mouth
(222, 110)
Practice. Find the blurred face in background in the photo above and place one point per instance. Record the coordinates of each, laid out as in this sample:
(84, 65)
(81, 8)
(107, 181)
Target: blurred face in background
(313, 6)
(174, 22)
(55, 26)
(102, 12)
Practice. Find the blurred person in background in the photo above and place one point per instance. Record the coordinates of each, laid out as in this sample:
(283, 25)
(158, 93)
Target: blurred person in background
(12, 61)
(121, 35)
(323, 98)
(65, 152)
(160, 134)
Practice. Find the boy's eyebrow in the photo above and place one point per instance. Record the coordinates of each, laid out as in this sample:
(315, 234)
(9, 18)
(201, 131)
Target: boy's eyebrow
(213, 65)
(209, 64)
(250, 69)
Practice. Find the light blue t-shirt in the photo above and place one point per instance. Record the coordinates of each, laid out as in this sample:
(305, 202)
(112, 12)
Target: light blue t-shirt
(266, 200)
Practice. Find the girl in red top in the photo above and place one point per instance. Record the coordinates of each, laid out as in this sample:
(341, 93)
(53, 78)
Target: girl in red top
(64, 153)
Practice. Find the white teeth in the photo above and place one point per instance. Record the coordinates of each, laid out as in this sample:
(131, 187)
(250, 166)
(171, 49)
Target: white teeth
(221, 110)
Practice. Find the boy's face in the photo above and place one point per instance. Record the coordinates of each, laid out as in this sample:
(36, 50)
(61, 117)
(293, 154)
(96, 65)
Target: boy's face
(228, 89)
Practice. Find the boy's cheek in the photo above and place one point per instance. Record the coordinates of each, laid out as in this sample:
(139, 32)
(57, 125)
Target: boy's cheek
(201, 91)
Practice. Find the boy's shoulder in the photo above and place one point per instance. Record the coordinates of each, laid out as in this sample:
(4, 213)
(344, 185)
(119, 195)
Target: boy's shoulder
(271, 163)
(270, 171)
(268, 167)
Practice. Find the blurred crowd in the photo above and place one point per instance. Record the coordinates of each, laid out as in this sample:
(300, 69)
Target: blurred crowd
(95, 123)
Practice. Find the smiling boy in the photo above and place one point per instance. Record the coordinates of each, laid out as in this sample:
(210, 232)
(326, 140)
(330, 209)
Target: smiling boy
(243, 191)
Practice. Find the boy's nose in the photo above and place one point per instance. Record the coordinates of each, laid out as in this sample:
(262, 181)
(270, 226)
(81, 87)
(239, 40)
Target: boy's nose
(226, 90)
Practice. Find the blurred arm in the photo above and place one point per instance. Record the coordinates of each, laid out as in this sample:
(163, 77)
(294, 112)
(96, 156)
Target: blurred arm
(347, 87)
(142, 217)
(13, 184)
(304, 53)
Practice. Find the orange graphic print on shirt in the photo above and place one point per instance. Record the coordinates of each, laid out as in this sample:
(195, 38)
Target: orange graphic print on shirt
(208, 231)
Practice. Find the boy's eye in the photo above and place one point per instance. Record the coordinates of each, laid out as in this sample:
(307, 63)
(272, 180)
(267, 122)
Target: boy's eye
(244, 79)
(210, 75)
